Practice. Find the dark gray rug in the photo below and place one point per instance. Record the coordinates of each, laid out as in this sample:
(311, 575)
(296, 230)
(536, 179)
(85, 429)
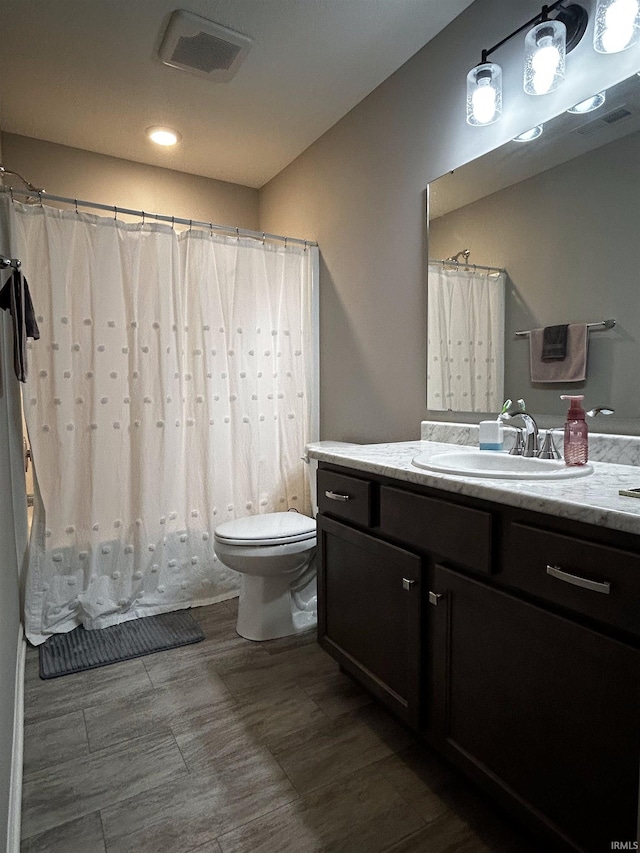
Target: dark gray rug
(63, 654)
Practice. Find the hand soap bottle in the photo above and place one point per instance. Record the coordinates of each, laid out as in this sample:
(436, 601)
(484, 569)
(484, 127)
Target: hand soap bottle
(576, 432)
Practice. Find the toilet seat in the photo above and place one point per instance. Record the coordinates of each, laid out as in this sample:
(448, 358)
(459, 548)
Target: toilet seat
(271, 528)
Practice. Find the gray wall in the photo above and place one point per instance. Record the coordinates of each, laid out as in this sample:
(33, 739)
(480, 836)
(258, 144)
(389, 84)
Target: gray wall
(566, 238)
(81, 174)
(360, 191)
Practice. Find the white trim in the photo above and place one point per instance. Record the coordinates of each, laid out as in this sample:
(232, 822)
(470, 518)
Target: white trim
(315, 338)
(15, 788)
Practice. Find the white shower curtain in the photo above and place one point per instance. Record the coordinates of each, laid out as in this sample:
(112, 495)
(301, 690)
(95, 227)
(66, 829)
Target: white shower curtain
(170, 391)
(465, 340)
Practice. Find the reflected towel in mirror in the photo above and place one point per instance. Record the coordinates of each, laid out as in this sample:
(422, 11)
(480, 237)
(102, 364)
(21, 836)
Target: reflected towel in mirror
(573, 368)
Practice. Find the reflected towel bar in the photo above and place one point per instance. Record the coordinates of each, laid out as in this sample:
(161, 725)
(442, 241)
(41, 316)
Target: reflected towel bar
(603, 324)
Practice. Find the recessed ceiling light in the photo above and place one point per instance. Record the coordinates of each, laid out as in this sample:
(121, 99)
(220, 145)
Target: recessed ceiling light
(589, 104)
(163, 135)
(528, 135)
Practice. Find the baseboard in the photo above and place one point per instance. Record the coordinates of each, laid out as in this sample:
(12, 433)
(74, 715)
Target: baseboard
(15, 790)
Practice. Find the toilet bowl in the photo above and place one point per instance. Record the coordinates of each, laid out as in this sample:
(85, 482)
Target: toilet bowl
(275, 555)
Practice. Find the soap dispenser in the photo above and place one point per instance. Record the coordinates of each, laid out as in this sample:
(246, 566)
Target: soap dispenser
(576, 432)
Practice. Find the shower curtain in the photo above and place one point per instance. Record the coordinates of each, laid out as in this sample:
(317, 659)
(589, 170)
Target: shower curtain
(170, 391)
(465, 340)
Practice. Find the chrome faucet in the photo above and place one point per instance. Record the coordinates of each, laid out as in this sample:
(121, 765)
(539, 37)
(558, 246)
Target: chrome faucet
(530, 446)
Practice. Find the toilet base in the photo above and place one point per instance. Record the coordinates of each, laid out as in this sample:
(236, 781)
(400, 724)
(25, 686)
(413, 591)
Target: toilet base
(277, 606)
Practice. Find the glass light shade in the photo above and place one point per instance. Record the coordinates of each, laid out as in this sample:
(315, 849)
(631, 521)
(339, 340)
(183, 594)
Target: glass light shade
(484, 94)
(163, 135)
(589, 104)
(617, 25)
(544, 57)
(529, 135)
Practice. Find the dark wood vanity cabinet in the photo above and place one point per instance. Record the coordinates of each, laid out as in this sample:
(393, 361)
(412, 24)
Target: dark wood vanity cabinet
(546, 707)
(444, 608)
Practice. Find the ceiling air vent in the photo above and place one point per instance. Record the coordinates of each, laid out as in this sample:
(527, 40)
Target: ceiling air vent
(202, 47)
(603, 121)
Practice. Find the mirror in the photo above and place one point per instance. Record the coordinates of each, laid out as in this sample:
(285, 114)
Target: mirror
(561, 214)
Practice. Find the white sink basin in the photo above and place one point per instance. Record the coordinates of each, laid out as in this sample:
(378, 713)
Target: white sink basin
(501, 466)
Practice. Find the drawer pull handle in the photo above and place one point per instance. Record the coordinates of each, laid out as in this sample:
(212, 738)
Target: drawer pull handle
(336, 496)
(434, 598)
(596, 586)
(407, 583)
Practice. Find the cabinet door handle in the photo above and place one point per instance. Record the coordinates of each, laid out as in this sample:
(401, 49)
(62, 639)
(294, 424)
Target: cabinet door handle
(596, 586)
(434, 598)
(407, 583)
(336, 496)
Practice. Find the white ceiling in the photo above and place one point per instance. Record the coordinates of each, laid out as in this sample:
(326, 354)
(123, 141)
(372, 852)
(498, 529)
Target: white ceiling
(85, 73)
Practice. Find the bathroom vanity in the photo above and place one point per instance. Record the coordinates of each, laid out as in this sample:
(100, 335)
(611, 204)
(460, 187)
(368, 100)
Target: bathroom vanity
(500, 621)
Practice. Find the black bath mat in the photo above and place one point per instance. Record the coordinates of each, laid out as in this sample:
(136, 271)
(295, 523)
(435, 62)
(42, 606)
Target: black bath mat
(63, 654)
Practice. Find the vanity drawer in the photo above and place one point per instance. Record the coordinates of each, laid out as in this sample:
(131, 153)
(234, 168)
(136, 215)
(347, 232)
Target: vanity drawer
(598, 581)
(342, 496)
(450, 531)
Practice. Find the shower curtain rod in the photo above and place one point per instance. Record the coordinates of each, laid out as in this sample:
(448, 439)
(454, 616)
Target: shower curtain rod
(465, 264)
(156, 217)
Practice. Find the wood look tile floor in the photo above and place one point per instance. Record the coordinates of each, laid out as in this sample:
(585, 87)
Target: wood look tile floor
(229, 746)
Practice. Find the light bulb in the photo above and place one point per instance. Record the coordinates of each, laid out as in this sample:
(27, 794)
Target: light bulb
(484, 94)
(545, 65)
(545, 48)
(484, 102)
(617, 25)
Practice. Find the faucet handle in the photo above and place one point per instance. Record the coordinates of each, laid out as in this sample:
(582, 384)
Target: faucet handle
(548, 449)
(518, 444)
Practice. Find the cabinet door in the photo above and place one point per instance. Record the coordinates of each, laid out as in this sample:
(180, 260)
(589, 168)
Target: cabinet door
(548, 709)
(369, 613)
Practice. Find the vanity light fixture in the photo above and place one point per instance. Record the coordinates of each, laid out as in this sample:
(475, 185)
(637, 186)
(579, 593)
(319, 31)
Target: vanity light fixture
(547, 42)
(484, 94)
(165, 136)
(589, 104)
(617, 25)
(528, 135)
(545, 47)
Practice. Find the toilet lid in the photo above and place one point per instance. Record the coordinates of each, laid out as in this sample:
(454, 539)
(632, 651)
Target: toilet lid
(271, 528)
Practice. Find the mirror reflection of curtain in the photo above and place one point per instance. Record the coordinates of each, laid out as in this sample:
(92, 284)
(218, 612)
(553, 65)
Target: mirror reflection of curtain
(465, 341)
(169, 392)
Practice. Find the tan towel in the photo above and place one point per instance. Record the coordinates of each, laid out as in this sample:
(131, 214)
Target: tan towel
(573, 368)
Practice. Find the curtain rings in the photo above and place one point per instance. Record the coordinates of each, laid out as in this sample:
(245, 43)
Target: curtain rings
(237, 234)
(115, 213)
(40, 197)
(143, 216)
(173, 222)
(11, 194)
(305, 245)
(190, 224)
(211, 229)
(285, 243)
(75, 201)
(264, 237)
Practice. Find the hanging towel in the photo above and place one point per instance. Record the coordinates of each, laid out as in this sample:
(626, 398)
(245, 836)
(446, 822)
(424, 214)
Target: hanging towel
(554, 343)
(15, 298)
(573, 368)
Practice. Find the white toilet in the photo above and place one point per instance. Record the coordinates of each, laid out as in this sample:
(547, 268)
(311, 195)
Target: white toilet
(275, 554)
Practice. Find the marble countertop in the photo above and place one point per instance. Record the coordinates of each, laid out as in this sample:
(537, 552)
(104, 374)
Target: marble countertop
(593, 499)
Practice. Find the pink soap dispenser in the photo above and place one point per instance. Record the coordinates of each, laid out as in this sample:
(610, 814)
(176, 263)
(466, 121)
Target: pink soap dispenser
(576, 432)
